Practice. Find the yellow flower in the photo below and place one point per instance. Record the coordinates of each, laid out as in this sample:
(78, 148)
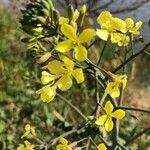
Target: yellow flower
(109, 25)
(72, 22)
(106, 119)
(131, 28)
(120, 39)
(47, 93)
(28, 130)
(74, 41)
(26, 146)
(63, 145)
(102, 147)
(113, 87)
(83, 9)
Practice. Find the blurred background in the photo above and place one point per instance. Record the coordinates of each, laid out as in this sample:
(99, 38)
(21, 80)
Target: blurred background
(19, 77)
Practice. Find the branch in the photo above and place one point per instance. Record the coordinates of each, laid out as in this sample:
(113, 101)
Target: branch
(133, 109)
(72, 106)
(131, 58)
(137, 136)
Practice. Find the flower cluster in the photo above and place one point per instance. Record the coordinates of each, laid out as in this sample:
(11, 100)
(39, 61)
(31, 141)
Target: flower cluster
(116, 29)
(26, 146)
(59, 75)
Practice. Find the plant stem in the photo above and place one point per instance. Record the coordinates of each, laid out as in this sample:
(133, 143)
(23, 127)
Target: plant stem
(88, 144)
(72, 106)
(133, 109)
(131, 58)
(101, 55)
(138, 135)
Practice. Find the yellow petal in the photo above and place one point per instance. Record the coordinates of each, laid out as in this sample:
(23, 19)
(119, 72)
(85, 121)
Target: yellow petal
(129, 23)
(80, 53)
(118, 114)
(69, 64)
(87, 35)
(102, 147)
(56, 67)
(136, 28)
(118, 24)
(101, 120)
(63, 20)
(109, 124)
(102, 34)
(64, 83)
(108, 107)
(63, 141)
(75, 15)
(104, 17)
(69, 31)
(113, 89)
(47, 77)
(78, 75)
(64, 46)
(47, 93)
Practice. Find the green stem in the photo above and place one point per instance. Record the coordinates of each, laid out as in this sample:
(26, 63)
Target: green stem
(72, 106)
(133, 109)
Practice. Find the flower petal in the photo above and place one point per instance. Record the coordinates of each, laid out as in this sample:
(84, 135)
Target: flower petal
(69, 31)
(102, 147)
(64, 46)
(101, 120)
(64, 83)
(87, 35)
(104, 17)
(63, 141)
(56, 67)
(102, 34)
(47, 77)
(63, 20)
(78, 75)
(108, 107)
(80, 53)
(69, 64)
(113, 89)
(129, 23)
(109, 124)
(118, 114)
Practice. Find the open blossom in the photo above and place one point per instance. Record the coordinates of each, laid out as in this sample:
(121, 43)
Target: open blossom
(133, 28)
(109, 25)
(60, 75)
(63, 145)
(101, 147)
(113, 87)
(106, 120)
(74, 41)
(26, 146)
(29, 130)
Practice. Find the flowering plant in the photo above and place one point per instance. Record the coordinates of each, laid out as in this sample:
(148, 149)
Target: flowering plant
(67, 57)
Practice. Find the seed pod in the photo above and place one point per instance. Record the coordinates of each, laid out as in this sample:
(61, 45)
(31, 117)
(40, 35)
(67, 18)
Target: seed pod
(56, 17)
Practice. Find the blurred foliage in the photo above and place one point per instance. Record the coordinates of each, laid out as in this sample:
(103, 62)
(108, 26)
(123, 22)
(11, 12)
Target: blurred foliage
(19, 104)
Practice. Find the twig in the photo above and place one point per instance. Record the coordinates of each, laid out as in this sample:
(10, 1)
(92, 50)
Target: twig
(131, 58)
(133, 109)
(72, 106)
